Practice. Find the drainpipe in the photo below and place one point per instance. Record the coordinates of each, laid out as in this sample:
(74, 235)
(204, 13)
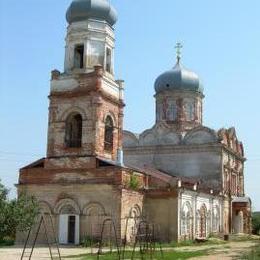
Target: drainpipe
(120, 157)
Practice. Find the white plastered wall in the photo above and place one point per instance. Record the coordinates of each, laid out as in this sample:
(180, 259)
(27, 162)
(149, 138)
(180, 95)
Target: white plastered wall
(197, 200)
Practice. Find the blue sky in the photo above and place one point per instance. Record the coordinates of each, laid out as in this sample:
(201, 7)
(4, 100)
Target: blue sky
(221, 43)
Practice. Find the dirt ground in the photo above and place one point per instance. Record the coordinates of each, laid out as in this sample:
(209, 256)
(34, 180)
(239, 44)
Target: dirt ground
(219, 252)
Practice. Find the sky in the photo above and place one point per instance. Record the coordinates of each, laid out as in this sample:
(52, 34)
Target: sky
(221, 42)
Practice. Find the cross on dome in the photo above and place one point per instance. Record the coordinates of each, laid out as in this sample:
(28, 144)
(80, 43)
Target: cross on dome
(178, 48)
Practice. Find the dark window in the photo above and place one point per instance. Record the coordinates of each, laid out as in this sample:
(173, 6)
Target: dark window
(79, 57)
(108, 145)
(73, 134)
(108, 60)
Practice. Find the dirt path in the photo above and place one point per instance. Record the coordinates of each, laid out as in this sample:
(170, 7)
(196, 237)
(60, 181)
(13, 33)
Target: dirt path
(219, 252)
(40, 253)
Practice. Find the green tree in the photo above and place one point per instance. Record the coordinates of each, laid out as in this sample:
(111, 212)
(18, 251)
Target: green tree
(256, 222)
(3, 210)
(17, 214)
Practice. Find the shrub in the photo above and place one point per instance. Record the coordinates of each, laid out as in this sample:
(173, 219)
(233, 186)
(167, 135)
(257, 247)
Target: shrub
(17, 214)
(256, 223)
(134, 182)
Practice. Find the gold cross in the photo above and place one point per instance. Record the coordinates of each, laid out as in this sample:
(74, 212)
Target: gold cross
(178, 48)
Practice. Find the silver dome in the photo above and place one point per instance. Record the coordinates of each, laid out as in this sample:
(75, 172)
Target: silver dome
(178, 78)
(81, 10)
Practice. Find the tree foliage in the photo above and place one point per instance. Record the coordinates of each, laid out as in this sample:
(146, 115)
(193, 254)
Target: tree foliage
(256, 222)
(16, 214)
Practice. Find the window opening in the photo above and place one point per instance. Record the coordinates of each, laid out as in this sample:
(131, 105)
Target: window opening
(108, 60)
(79, 56)
(108, 145)
(73, 135)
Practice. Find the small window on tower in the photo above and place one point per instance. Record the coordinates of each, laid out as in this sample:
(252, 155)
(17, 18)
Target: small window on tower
(108, 60)
(79, 56)
(109, 128)
(189, 111)
(73, 131)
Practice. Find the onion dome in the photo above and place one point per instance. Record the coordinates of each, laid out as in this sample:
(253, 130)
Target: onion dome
(81, 10)
(178, 78)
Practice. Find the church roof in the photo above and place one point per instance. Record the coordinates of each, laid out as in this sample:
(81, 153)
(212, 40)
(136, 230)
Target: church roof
(36, 164)
(178, 78)
(241, 200)
(81, 10)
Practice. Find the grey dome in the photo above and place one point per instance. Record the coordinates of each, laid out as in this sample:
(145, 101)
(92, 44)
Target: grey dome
(81, 10)
(178, 78)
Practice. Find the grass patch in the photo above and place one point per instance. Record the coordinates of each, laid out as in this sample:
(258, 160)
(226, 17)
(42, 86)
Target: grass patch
(239, 238)
(168, 255)
(210, 241)
(254, 254)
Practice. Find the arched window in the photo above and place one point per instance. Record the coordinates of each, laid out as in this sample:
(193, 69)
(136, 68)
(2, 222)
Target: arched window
(202, 228)
(186, 221)
(216, 219)
(189, 111)
(172, 111)
(108, 143)
(73, 131)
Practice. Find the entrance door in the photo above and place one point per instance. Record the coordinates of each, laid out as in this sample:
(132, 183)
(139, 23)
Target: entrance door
(71, 229)
(63, 230)
(238, 223)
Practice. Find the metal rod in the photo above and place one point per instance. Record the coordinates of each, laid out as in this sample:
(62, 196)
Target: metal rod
(26, 242)
(55, 237)
(36, 236)
(46, 237)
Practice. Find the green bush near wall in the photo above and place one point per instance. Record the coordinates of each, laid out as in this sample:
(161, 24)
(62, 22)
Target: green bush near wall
(134, 182)
(256, 223)
(15, 215)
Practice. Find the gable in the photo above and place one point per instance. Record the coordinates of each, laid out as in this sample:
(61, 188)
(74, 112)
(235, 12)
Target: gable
(200, 136)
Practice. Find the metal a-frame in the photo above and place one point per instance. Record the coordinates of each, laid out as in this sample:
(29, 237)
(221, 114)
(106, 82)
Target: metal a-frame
(52, 245)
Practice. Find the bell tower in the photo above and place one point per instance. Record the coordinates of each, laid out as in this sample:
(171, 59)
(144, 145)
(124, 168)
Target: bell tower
(86, 102)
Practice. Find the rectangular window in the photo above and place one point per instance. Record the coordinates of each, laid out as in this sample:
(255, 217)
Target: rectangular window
(79, 56)
(234, 184)
(108, 60)
(96, 53)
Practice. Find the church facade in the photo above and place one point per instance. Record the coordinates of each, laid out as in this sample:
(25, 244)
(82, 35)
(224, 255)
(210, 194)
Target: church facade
(181, 176)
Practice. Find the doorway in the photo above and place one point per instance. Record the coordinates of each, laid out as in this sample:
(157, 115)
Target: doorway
(71, 229)
(238, 222)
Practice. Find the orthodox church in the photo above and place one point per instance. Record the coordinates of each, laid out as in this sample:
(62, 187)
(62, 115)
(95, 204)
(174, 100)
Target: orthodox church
(180, 175)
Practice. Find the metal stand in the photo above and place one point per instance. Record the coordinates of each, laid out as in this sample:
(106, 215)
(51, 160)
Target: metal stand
(147, 241)
(112, 227)
(52, 245)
